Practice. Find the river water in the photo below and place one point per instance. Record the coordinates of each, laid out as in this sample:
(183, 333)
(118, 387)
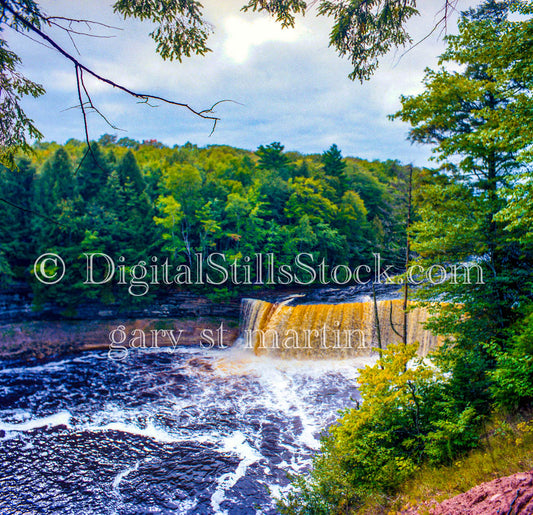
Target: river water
(194, 431)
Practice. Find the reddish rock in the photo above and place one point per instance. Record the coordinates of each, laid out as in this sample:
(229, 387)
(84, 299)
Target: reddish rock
(511, 495)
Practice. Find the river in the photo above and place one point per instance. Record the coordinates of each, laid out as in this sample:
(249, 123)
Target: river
(194, 431)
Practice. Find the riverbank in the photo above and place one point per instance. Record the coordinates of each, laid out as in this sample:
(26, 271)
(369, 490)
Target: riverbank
(22, 342)
(495, 478)
(29, 334)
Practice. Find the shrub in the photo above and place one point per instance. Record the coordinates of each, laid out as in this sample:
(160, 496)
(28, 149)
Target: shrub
(405, 418)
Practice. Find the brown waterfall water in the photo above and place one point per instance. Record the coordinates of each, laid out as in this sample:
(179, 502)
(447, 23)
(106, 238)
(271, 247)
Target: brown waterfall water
(319, 331)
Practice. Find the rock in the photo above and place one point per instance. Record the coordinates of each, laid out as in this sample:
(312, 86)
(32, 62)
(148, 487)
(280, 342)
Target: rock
(511, 495)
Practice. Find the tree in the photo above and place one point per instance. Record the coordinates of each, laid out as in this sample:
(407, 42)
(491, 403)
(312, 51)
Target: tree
(16, 235)
(128, 171)
(362, 31)
(334, 168)
(56, 229)
(470, 117)
(415, 414)
(307, 197)
(92, 174)
(271, 157)
(15, 126)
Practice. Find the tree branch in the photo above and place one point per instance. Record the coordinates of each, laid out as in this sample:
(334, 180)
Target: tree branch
(30, 211)
(81, 67)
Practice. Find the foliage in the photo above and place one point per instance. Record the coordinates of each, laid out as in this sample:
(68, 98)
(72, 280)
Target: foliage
(513, 374)
(136, 201)
(405, 417)
(180, 29)
(363, 31)
(15, 126)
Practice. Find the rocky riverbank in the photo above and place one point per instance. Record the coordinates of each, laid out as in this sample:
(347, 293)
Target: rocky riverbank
(29, 334)
(16, 304)
(511, 495)
(45, 339)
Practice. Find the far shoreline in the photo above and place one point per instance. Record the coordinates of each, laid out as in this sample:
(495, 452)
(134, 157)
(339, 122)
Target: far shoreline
(24, 343)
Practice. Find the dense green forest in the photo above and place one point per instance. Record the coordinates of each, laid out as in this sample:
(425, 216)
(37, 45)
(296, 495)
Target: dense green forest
(139, 200)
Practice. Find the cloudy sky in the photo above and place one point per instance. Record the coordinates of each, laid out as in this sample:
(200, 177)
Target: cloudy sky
(289, 85)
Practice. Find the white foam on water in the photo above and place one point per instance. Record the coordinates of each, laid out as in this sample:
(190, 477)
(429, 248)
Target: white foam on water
(150, 431)
(287, 399)
(289, 388)
(185, 506)
(236, 443)
(282, 381)
(121, 475)
(55, 366)
(58, 419)
(153, 432)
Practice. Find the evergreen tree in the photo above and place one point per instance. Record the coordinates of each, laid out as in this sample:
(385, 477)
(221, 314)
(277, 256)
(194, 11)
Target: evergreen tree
(334, 168)
(16, 235)
(271, 157)
(129, 171)
(92, 173)
(460, 113)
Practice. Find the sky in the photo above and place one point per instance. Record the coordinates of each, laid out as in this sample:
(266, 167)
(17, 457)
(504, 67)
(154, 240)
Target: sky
(287, 84)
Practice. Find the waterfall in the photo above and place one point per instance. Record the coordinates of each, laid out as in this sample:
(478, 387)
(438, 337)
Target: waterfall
(316, 331)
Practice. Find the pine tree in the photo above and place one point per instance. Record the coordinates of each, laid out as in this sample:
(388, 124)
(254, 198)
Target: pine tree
(334, 168)
(129, 171)
(16, 236)
(460, 113)
(92, 173)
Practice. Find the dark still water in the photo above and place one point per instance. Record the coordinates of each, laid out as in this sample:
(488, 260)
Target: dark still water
(192, 432)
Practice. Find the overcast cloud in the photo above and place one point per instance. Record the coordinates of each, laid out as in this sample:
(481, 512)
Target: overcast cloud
(292, 87)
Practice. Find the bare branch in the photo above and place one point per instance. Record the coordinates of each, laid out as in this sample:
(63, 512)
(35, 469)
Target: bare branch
(73, 43)
(70, 31)
(74, 20)
(210, 110)
(392, 324)
(36, 41)
(82, 68)
(82, 106)
(450, 5)
(93, 107)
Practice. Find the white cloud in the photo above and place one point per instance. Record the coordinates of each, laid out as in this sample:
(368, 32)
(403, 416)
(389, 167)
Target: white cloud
(243, 35)
(294, 88)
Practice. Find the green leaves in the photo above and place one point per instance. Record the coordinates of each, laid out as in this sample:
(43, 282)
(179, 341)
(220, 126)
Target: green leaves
(282, 10)
(486, 107)
(366, 30)
(362, 30)
(477, 117)
(181, 29)
(15, 126)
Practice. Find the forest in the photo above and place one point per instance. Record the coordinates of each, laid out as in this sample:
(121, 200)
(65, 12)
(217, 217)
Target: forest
(138, 201)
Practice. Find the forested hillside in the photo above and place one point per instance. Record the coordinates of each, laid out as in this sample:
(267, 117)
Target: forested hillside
(139, 200)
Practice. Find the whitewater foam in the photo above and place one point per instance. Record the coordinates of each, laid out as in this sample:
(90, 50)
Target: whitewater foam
(236, 443)
(58, 419)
